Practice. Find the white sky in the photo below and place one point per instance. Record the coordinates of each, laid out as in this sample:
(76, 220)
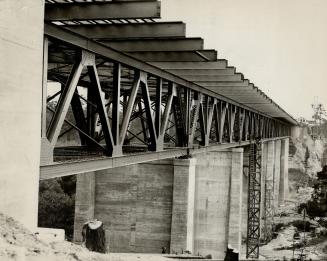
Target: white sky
(279, 45)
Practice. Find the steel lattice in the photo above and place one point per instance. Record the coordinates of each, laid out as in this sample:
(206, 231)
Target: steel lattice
(254, 199)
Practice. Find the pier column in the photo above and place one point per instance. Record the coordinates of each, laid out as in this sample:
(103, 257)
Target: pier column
(283, 188)
(182, 224)
(21, 45)
(269, 192)
(218, 202)
(85, 202)
(235, 200)
(264, 158)
(277, 173)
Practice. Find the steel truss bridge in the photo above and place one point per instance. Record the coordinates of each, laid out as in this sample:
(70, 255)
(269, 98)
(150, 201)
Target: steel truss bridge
(130, 89)
(139, 90)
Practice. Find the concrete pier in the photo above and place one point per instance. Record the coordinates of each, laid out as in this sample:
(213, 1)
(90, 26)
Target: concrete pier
(277, 172)
(182, 204)
(217, 211)
(283, 188)
(197, 204)
(84, 206)
(235, 204)
(182, 225)
(21, 50)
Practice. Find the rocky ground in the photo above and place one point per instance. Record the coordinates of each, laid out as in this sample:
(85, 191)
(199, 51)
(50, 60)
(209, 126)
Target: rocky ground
(19, 244)
(314, 245)
(306, 158)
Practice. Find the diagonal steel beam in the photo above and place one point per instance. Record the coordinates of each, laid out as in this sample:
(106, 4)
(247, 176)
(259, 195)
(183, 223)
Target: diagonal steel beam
(148, 112)
(64, 102)
(130, 106)
(106, 129)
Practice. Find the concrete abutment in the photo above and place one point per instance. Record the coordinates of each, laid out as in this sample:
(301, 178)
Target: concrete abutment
(20, 108)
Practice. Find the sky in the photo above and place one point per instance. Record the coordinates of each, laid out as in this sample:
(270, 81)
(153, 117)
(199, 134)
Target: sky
(279, 45)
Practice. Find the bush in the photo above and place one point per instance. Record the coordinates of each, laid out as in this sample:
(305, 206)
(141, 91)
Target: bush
(314, 210)
(56, 205)
(303, 226)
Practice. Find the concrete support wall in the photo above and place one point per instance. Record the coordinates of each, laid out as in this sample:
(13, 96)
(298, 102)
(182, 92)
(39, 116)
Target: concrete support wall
(183, 205)
(218, 215)
(283, 188)
(21, 45)
(135, 205)
(85, 202)
(277, 173)
(270, 161)
(235, 196)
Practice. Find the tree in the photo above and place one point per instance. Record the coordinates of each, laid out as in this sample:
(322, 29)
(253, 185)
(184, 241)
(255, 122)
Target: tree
(56, 208)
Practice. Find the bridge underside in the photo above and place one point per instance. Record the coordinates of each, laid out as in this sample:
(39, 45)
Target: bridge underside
(104, 106)
(156, 127)
(122, 93)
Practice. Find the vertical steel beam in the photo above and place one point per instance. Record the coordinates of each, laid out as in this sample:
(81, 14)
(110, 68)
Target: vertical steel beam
(44, 88)
(158, 106)
(241, 123)
(216, 120)
(222, 110)
(116, 102)
(231, 121)
(167, 110)
(187, 94)
(211, 110)
(246, 125)
(202, 120)
(194, 119)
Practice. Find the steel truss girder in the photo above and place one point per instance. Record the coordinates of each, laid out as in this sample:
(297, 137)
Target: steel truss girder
(191, 107)
(102, 10)
(79, 41)
(82, 166)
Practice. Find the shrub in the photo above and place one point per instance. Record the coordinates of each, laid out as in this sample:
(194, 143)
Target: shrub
(56, 207)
